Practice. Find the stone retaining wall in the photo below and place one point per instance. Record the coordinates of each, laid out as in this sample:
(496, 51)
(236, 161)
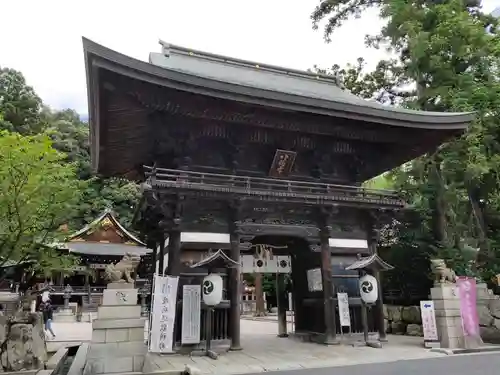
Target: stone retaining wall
(406, 320)
(403, 320)
(488, 310)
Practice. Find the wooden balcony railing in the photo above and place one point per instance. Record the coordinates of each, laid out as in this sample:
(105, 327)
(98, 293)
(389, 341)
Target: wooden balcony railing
(78, 289)
(270, 189)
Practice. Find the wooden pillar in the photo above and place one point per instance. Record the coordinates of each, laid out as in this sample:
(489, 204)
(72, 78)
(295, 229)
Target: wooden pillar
(161, 266)
(174, 253)
(152, 245)
(326, 275)
(372, 239)
(174, 240)
(234, 277)
(281, 301)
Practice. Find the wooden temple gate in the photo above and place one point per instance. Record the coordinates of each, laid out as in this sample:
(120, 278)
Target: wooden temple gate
(230, 146)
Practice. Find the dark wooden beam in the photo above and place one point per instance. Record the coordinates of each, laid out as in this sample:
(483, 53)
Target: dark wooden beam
(371, 221)
(324, 217)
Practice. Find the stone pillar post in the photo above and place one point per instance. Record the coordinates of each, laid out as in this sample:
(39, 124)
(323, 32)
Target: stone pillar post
(448, 318)
(234, 276)
(326, 275)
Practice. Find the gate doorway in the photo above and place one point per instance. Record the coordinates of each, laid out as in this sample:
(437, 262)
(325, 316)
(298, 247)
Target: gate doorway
(306, 307)
(269, 268)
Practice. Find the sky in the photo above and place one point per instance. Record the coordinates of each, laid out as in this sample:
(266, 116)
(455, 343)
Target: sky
(42, 39)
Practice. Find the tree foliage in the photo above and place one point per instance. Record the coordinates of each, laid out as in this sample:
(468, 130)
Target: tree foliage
(54, 152)
(38, 192)
(445, 61)
(19, 104)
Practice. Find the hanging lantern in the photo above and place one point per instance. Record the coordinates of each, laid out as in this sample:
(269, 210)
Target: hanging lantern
(368, 289)
(212, 289)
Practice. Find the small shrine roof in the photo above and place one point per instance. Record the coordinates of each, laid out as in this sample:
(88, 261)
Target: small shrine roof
(105, 236)
(370, 262)
(216, 260)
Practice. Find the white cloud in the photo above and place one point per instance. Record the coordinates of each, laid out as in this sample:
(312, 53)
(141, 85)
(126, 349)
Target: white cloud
(43, 38)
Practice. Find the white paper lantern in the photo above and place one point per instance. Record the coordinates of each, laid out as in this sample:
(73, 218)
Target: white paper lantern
(368, 289)
(212, 289)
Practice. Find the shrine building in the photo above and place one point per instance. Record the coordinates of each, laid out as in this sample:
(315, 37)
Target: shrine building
(239, 155)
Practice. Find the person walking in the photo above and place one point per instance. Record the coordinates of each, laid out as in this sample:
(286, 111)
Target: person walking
(48, 313)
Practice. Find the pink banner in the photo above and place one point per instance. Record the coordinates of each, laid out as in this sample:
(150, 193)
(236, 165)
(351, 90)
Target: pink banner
(468, 308)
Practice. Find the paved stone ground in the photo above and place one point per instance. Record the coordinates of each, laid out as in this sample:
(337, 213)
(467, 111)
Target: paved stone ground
(480, 364)
(69, 334)
(263, 351)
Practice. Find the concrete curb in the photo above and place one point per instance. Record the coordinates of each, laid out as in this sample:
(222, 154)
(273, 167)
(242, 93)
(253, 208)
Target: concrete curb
(482, 349)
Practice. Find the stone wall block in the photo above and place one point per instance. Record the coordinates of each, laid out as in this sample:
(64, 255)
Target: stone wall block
(99, 336)
(114, 297)
(494, 308)
(447, 304)
(386, 312)
(136, 334)
(444, 291)
(117, 335)
(119, 312)
(411, 315)
(484, 315)
(394, 313)
(398, 328)
(414, 330)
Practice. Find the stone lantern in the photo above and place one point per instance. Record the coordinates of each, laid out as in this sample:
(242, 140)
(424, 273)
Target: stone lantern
(68, 290)
(65, 314)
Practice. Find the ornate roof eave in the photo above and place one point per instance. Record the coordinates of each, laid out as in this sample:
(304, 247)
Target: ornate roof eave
(108, 213)
(99, 57)
(370, 262)
(217, 260)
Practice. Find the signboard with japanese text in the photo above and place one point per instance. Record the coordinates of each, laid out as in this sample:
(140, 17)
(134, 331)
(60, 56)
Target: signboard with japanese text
(163, 314)
(429, 321)
(468, 309)
(344, 315)
(191, 314)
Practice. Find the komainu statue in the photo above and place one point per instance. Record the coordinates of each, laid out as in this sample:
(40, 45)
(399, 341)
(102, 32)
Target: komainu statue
(442, 274)
(122, 271)
(22, 336)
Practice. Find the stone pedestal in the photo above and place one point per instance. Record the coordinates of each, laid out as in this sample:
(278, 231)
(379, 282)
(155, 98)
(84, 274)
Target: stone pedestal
(448, 317)
(117, 334)
(64, 316)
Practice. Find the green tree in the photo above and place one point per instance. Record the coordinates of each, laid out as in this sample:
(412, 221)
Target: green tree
(445, 62)
(119, 194)
(19, 104)
(22, 111)
(70, 135)
(38, 193)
